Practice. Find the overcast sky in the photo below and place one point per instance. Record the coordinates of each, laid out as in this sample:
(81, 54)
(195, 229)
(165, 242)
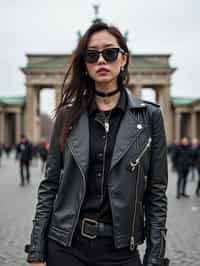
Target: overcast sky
(50, 26)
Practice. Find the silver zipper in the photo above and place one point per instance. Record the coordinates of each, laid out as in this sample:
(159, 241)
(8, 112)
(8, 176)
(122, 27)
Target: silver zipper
(133, 166)
(132, 239)
(106, 126)
(84, 183)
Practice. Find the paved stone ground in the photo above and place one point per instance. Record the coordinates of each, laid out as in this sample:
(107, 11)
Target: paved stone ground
(17, 208)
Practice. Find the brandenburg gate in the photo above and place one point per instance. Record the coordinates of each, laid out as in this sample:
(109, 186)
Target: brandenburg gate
(47, 71)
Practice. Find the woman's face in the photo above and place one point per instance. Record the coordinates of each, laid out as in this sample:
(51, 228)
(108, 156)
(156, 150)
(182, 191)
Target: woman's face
(103, 72)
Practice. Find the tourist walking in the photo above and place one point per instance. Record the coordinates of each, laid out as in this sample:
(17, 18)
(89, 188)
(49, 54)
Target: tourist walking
(24, 156)
(196, 162)
(182, 161)
(1, 153)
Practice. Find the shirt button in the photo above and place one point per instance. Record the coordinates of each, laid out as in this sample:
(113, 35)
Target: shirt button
(139, 126)
(104, 136)
(99, 174)
(100, 155)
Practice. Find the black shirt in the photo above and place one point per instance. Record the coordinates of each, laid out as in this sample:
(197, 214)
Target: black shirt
(96, 204)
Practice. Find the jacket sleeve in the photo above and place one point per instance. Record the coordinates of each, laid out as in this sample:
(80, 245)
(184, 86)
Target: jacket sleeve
(46, 195)
(155, 195)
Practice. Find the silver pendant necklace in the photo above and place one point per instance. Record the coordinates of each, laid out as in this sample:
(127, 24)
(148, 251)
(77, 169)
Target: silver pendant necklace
(106, 121)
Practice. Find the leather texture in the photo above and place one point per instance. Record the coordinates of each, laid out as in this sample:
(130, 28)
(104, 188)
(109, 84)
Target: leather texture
(137, 195)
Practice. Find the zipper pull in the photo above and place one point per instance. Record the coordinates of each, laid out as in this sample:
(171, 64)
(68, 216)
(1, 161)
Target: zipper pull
(132, 243)
(132, 166)
(107, 126)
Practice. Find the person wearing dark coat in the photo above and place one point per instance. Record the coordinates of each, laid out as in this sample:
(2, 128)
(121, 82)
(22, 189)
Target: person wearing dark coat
(43, 151)
(1, 152)
(196, 162)
(182, 161)
(24, 155)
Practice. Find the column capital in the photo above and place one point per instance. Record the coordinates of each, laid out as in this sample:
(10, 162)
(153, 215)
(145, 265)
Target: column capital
(58, 85)
(177, 111)
(162, 86)
(138, 85)
(30, 85)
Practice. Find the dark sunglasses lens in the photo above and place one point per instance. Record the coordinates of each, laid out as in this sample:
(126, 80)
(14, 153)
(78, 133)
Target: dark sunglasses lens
(91, 56)
(110, 54)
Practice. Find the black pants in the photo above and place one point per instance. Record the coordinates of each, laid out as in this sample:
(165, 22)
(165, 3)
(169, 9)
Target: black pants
(182, 181)
(91, 252)
(24, 166)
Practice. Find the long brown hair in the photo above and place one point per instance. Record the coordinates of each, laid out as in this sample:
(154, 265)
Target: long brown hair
(78, 88)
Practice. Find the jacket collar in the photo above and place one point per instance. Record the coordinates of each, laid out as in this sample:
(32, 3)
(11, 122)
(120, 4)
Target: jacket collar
(128, 132)
(133, 102)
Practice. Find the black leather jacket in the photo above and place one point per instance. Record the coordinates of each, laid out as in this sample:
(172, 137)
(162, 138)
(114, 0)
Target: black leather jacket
(137, 184)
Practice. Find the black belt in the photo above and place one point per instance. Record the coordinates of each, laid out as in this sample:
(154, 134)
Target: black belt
(91, 228)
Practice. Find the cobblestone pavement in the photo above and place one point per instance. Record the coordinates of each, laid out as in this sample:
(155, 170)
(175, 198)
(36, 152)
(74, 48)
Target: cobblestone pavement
(17, 208)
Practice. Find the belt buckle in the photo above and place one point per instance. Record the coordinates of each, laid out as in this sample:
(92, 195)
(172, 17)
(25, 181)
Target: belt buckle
(91, 221)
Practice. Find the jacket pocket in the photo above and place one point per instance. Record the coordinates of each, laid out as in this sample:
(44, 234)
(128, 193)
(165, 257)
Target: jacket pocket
(58, 235)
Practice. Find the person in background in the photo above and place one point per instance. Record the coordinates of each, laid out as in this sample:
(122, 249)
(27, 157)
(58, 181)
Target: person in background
(194, 151)
(43, 151)
(171, 148)
(7, 149)
(182, 161)
(24, 156)
(1, 153)
(196, 162)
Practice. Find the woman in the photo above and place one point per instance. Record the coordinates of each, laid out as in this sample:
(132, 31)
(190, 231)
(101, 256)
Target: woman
(182, 162)
(106, 166)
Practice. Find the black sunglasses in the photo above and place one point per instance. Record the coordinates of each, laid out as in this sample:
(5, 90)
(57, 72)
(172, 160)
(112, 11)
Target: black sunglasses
(109, 54)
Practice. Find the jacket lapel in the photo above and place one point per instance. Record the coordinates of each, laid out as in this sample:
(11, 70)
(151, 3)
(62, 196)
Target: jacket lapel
(78, 142)
(130, 128)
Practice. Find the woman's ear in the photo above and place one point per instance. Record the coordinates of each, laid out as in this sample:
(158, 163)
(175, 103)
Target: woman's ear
(124, 58)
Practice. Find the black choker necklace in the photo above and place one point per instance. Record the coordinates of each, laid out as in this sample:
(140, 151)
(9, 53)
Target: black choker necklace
(106, 95)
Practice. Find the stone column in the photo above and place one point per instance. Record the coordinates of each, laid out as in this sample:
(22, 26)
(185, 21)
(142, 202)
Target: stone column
(2, 127)
(18, 130)
(58, 93)
(177, 125)
(165, 103)
(193, 124)
(137, 90)
(38, 117)
(31, 114)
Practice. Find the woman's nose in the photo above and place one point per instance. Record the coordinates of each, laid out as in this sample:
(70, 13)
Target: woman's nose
(101, 59)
